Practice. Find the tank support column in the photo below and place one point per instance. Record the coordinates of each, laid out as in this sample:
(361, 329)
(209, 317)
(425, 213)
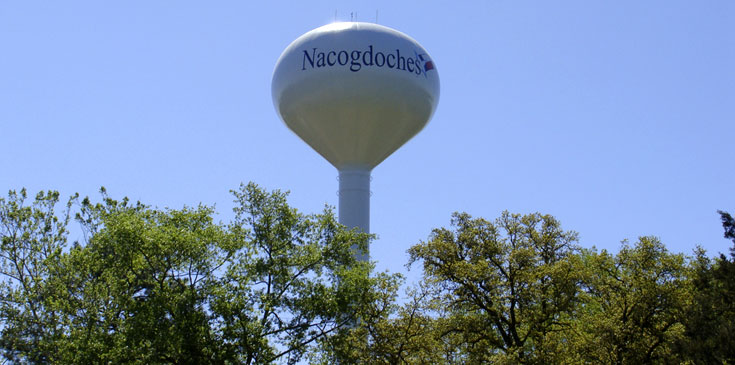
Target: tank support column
(354, 202)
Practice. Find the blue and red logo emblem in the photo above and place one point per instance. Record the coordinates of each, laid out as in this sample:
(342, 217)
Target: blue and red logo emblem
(428, 64)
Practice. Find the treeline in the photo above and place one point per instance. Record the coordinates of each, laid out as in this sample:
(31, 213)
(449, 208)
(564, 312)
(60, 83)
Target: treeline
(148, 285)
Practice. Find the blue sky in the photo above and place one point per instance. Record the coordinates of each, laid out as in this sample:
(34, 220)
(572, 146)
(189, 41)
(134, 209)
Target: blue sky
(615, 117)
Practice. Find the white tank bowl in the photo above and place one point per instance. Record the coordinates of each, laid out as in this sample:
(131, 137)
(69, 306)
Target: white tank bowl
(355, 92)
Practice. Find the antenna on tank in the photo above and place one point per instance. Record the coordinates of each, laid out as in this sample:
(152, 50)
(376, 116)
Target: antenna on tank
(376, 16)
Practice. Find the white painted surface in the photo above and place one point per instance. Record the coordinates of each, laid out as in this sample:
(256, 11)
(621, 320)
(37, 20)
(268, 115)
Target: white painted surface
(355, 115)
(355, 92)
(354, 201)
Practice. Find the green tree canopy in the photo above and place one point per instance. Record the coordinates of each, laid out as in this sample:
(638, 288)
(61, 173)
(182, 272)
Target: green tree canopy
(710, 316)
(631, 305)
(149, 285)
(509, 285)
(173, 286)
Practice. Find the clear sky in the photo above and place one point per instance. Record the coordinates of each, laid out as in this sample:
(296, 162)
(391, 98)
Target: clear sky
(615, 117)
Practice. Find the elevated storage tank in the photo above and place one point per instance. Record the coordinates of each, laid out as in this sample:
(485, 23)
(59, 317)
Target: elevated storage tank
(355, 92)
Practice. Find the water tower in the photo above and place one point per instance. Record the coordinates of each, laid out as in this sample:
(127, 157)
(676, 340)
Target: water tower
(355, 92)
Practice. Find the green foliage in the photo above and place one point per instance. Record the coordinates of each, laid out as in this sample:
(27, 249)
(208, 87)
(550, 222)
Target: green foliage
(174, 286)
(150, 285)
(518, 290)
(295, 281)
(386, 332)
(143, 282)
(509, 285)
(632, 305)
(33, 238)
(709, 318)
(728, 223)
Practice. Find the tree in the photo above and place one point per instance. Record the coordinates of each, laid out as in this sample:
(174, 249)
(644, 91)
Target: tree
(154, 285)
(387, 332)
(294, 282)
(32, 241)
(631, 305)
(710, 317)
(728, 223)
(509, 287)
(139, 288)
(149, 285)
